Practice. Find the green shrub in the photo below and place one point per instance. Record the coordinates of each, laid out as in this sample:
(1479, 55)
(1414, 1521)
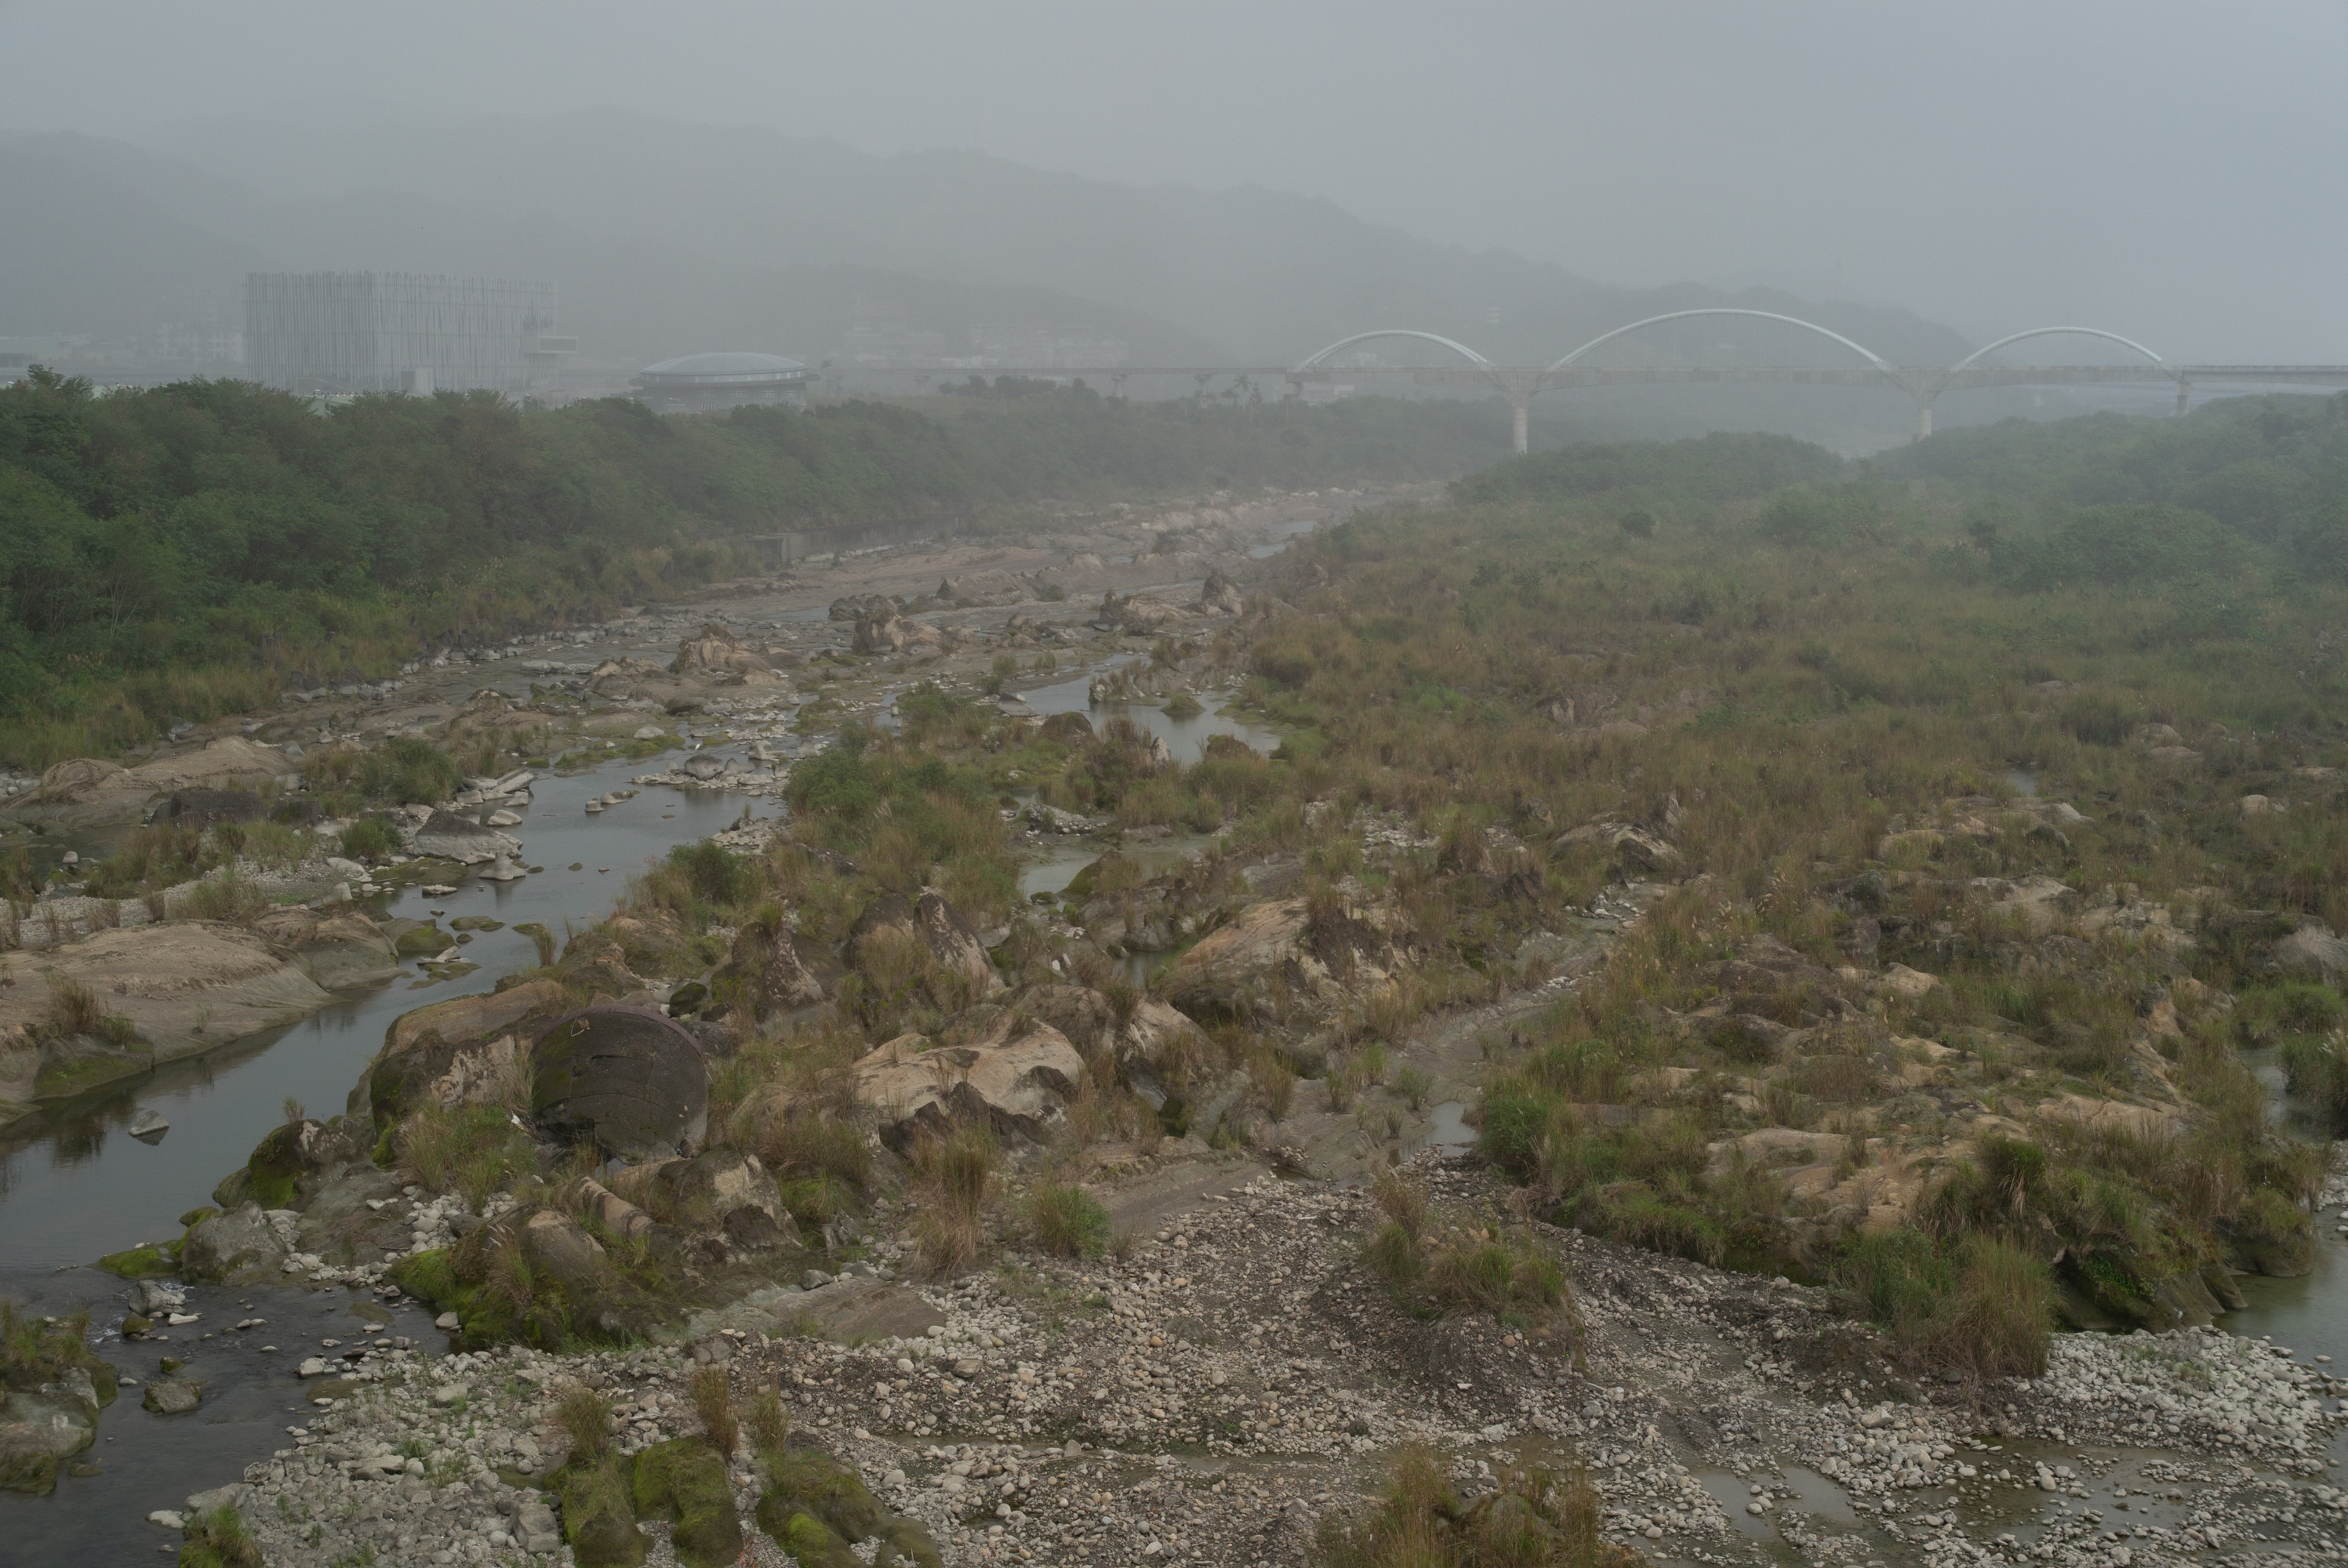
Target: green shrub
(2265, 1013)
(955, 1175)
(219, 1540)
(408, 771)
(2096, 719)
(2271, 1235)
(371, 838)
(473, 1150)
(1068, 1221)
(1979, 1305)
(2317, 1072)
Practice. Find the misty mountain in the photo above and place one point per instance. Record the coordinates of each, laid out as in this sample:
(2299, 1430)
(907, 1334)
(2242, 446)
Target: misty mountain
(112, 242)
(667, 236)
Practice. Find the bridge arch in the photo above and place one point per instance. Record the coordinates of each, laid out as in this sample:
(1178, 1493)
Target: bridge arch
(1860, 349)
(2054, 331)
(1313, 361)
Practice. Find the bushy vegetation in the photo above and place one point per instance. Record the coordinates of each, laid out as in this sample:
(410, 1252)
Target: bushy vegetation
(217, 1538)
(187, 550)
(1460, 1264)
(1533, 1518)
(1068, 1221)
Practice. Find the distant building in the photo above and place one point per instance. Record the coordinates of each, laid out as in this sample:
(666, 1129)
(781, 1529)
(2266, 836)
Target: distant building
(882, 336)
(699, 382)
(1045, 348)
(400, 332)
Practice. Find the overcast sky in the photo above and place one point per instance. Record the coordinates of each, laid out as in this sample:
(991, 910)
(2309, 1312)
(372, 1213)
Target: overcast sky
(2170, 172)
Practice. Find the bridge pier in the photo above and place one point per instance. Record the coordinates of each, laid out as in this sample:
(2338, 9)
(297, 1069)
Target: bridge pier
(1923, 416)
(1522, 402)
(2184, 396)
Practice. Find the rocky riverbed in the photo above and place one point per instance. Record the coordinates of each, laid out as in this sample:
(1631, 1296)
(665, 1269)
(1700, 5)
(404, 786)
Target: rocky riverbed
(1240, 1375)
(1237, 1352)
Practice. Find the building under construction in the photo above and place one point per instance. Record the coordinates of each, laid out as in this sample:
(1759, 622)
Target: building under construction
(400, 332)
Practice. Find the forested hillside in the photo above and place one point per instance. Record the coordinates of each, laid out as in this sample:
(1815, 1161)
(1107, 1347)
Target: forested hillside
(2253, 489)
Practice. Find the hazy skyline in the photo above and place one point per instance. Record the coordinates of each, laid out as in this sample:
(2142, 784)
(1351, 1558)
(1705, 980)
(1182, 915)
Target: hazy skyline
(2165, 171)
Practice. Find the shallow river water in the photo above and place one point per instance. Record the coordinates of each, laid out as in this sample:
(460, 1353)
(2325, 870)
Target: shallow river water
(82, 1187)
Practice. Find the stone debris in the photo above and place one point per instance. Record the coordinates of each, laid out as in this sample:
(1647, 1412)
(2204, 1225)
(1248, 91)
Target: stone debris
(1240, 1375)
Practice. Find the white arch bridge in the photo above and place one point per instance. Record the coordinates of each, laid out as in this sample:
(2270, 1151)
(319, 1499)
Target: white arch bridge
(1855, 366)
(1848, 363)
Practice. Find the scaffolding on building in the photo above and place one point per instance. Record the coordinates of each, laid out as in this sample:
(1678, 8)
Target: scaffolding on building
(400, 332)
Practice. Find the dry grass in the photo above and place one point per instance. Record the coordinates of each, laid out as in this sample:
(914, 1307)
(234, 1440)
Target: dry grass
(711, 1392)
(579, 1423)
(1532, 1518)
(74, 1008)
(953, 1178)
(473, 1150)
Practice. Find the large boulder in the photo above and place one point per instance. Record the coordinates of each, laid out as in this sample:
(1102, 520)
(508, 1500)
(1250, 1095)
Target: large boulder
(1635, 851)
(1220, 595)
(79, 781)
(1277, 953)
(1149, 618)
(341, 1223)
(294, 1160)
(2312, 951)
(466, 1050)
(449, 836)
(1084, 1015)
(338, 951)
(768, 971)
(861, 607)
(202, 808)
(938, 928)
(1151, 1033)
(1014, 1072)
(714, 651)
(887, 630)
(44, 1423)
(621, 680)
(184, 987)
(240, 1246)
(626, 1079)
(556, 1246)
(703, 1190)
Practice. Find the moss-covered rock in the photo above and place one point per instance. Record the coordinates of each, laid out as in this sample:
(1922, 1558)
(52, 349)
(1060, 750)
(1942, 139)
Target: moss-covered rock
(239, 1246)
(274, 1167)
(812, 1543)
(682, 1480)
(814, 1481)
(141, 1262)
(599, 1517)
(816, 1507)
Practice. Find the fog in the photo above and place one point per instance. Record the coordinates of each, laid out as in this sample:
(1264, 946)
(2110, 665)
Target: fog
(2168, 172)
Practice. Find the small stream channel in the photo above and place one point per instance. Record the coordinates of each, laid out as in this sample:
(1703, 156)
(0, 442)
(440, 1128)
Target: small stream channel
(81, 1186)
(1186, 738)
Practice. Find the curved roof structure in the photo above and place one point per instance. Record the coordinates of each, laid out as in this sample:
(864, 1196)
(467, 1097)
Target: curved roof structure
(720, 370)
